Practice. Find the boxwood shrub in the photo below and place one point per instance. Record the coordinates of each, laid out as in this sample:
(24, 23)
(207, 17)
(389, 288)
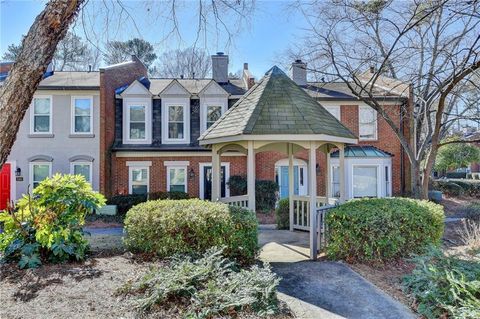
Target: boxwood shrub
(282, 214)
(168, 227)
(125, 202)
(379, 229)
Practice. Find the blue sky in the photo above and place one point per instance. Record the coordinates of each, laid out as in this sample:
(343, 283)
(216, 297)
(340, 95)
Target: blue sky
(272, 30)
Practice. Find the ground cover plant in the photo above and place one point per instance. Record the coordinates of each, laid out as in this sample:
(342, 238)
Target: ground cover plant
(48, 225)
(445, 286)
(168, 227)
(381, 229)
(210, 286)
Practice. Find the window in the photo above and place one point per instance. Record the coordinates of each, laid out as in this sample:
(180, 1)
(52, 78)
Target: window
(367, 123)
(177, 179)
(213, 114)
(365, 181)
(387, 182)
(137, 122)
(176, 125)
(38, 172)
(139, 180)
(41, 121)
(334, 110)
(336, 181)
(82, 168)
(82, 115)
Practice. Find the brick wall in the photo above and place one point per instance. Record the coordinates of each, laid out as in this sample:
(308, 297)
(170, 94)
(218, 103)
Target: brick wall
(110, 79)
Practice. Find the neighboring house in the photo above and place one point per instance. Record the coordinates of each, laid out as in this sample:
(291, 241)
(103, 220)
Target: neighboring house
(145, 131)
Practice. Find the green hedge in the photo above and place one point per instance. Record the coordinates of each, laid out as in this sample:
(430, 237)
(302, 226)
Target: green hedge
(265, 191)
(282, 214)
(125, 202)
(379, 229)
(458, 187)
(168, 227)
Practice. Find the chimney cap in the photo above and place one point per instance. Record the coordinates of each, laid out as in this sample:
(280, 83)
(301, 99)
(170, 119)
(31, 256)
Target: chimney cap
(245, 66)
(220, 53)
(298, 61)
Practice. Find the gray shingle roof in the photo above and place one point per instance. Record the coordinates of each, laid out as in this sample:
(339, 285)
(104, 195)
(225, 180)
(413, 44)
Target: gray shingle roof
(194, 86)
(71, 79)
(276, 105)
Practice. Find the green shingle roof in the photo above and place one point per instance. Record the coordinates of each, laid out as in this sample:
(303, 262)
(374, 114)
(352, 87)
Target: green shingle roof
(276, 105)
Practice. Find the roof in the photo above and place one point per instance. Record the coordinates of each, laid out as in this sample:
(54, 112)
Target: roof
(71, 79)
(341, 91)
(362, 151)
(276, 105)
(194, 86)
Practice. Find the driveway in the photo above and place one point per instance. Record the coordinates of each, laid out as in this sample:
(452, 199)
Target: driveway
(322, 289)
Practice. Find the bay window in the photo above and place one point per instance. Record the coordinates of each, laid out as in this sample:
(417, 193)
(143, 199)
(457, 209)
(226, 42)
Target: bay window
(365, 181)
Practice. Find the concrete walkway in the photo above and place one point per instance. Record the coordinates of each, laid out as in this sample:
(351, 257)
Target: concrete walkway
(322, 289)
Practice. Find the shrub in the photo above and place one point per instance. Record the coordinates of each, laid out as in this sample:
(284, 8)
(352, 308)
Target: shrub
(125, 202)
(237, 185)
(448, 188)
(379, 229)
(472, 212)
(456, 175)
(207, 287)
(168, 227)
(457, 187)
(48, 226)
(445, 285)
(282, 214)
(265, 195)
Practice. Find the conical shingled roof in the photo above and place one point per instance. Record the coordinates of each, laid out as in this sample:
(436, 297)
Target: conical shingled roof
(276, 106)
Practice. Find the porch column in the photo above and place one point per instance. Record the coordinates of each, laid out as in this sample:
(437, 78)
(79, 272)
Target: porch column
(290, 184)
(251, 176)
(312, 180)
(216, 171)
(327, 177)
(342, 173)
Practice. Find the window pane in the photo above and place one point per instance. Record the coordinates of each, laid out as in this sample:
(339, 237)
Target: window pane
(82, 124)
(41, 123)
(365, 181)
(175, 113)
(139, 175)
(177, 176)
(214, 113)
(137, 113)
(41, 106)
(177, 188)
(137, 131)
(175, 130)
(139, 189)
(336, 181)
(82, 169)
(82, 106)
(40, 172)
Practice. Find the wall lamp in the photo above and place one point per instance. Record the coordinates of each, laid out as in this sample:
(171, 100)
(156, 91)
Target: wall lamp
(18, 171)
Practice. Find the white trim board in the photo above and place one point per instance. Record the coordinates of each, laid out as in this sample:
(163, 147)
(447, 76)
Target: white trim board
(206, 153)
(280, 137)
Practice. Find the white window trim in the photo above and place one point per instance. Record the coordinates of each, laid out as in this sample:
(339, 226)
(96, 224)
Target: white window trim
(130, 174)
(90, 168)
(375, 131)
(72, 116)
(205, 102)
(332, 167)
(32, 112)
(379, 177)
(177, 165)
(30, 173)
(185, 102)
(202, 178)
(127, 102)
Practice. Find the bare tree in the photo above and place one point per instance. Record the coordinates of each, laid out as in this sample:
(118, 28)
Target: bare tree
(50, 27)
(190, 62)
(428, 47)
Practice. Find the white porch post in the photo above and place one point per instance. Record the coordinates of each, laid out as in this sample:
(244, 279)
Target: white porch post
(342, 174)
(290, 184)
(312, 180)
(327, 177)
(216, 171)
(251, 176)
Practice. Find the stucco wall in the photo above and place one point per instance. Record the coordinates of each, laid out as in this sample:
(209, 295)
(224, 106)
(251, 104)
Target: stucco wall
(61, 146)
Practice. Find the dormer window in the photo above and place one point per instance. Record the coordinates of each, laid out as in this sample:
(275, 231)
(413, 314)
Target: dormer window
(176, 122)
(214, 112)
(137, 119)
(137, 122)
(213, 103)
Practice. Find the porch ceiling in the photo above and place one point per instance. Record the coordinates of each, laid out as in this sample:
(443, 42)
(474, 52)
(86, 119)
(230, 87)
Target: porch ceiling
(277, 109)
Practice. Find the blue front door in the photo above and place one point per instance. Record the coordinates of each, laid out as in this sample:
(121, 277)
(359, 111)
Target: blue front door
(284, 181)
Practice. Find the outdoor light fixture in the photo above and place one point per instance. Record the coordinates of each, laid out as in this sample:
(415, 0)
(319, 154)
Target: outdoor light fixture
(317, 168)
(18, 172)
(191, 173)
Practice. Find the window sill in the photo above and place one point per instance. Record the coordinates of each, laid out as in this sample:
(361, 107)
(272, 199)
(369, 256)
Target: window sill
(88, 135)
(41, 135)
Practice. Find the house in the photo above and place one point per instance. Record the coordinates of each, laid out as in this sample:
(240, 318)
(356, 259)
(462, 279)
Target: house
(143, 135)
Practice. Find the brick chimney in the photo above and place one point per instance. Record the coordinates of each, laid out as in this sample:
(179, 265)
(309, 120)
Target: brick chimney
(299, 72)
(220, 67)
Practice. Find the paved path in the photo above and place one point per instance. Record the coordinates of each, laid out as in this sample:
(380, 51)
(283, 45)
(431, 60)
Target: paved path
(116, 231)
(322, 289)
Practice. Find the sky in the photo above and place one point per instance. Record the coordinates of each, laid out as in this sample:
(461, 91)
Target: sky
(273, 27)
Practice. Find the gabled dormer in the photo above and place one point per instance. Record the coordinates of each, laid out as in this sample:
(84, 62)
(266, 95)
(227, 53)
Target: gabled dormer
(137, 113)
(175, 114)
(213, 103)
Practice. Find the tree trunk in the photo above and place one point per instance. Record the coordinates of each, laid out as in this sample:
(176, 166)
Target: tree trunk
(39, 46)
(416, 180)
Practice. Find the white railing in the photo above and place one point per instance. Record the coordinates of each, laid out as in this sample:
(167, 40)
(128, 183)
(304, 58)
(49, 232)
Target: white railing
(240, 201)
(301, 210)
